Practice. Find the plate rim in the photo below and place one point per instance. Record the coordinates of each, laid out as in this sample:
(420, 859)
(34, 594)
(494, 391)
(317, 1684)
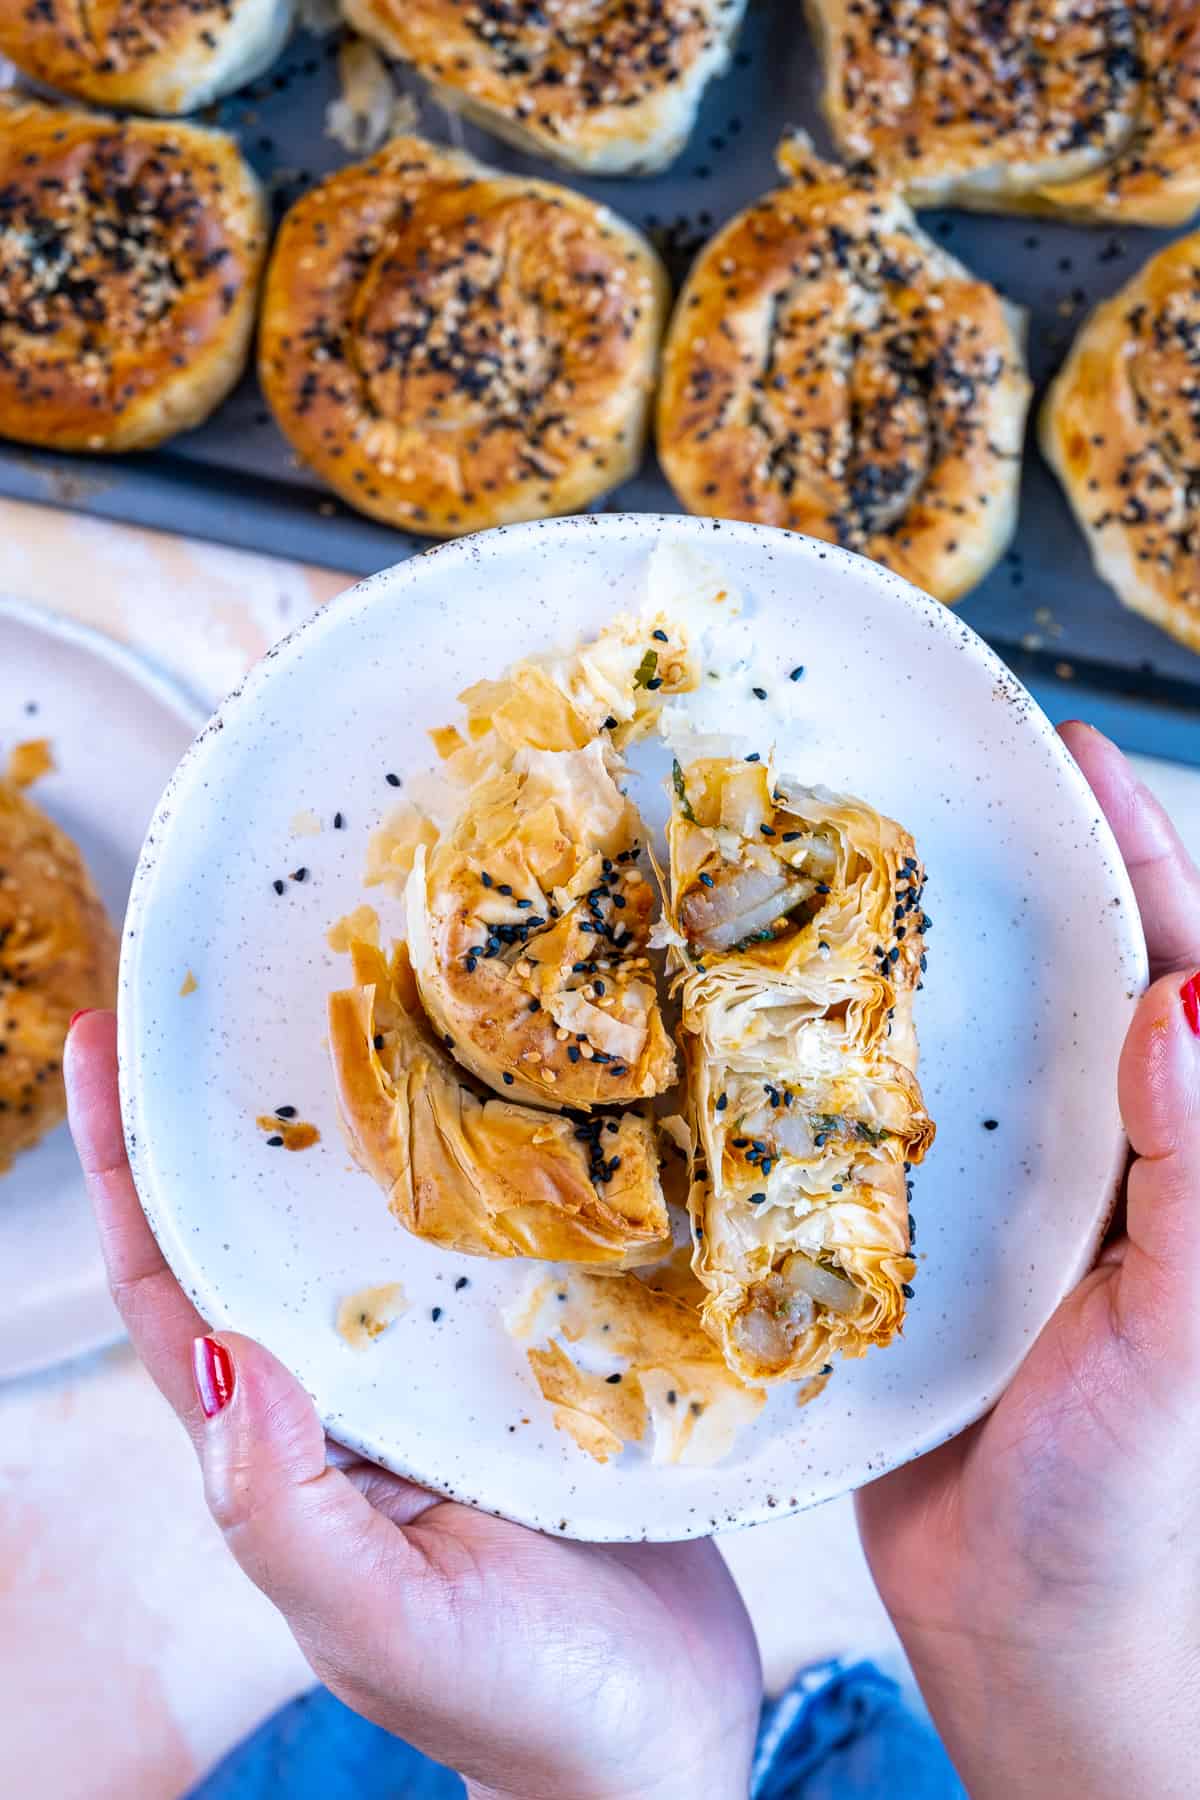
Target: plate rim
(652, 528)
(176, 698)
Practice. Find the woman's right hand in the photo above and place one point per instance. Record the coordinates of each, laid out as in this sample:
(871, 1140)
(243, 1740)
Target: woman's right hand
(1043, 1569)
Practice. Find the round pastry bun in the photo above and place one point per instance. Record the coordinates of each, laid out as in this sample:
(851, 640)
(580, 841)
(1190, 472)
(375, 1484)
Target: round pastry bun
(58, 955)
(154, 56)
(1120, 427)
(130, 255)
(452, 348)
(611, 89)
(830, 369)
(1089, 112)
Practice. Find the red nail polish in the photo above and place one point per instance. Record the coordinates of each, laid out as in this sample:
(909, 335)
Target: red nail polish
(212, 1367)
(1189, 993)
(81, 1014)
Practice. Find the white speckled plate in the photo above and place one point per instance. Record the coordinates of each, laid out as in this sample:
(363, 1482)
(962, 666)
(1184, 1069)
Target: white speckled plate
(1035, 958)
(116, 732)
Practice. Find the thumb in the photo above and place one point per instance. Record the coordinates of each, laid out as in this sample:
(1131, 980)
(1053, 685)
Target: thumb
(344, 1576)
(1160, 1104)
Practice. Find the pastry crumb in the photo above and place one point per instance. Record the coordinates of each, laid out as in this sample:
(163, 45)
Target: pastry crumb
(189, 986)
(305, 824)
(366, 1315)
(286, 1132)
(816, 1384)
(29, 761)
(359, 926)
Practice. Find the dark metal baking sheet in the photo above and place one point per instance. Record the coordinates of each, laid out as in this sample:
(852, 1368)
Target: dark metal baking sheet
(236, 480)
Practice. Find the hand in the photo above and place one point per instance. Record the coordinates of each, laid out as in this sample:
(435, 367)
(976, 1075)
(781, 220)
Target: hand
(1043, 1570)
(535, 1667)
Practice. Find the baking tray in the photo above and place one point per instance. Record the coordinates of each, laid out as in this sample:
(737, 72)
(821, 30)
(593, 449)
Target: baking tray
(1060, 628)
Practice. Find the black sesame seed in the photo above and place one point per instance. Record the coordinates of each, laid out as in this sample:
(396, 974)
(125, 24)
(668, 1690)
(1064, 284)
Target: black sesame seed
(610, 724)
(275, 1143)
(504, 889)
(827, 1368)
(339, 823)
(392, 780)
(907, 1289)
(298, 875)
(377, 1040)
(485, 878)
(706, 881)
(789, 837)
(285, 1112)
(912, 1229)
(723, 1102)
(535, 1004)
(654, 683)
(278, 886)
(524, 905)
(660, 635)
(754, 758)
(462, 1282)
(436, 1314)
(797, 673)
(507, 1079)
(573, 1052)
(757, 1199)
(759, 693)
(990, 1124)
(612, 1380)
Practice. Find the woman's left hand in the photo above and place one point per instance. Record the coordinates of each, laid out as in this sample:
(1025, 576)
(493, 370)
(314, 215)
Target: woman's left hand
(534, 1666)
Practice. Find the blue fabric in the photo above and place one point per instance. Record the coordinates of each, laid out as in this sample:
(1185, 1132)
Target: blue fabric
(838, 1733)
(317, 1749)
(843, 1733)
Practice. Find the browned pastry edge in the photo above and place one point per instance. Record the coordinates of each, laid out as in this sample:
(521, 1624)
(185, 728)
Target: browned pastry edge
(830, 369)
(155, 56)
(58, 955)
(132, 318)
(451, 348)
(609, 90)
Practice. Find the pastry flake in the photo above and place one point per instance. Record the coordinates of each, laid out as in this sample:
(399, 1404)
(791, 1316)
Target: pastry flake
(484, 1176)
(802, 924)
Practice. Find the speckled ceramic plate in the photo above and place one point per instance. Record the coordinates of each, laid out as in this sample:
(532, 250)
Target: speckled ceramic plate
(1035, 958)
(116, 731)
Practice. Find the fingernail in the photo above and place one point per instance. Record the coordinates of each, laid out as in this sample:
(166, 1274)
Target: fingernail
(212, 1367)
(75, 1017)
(1189, 993)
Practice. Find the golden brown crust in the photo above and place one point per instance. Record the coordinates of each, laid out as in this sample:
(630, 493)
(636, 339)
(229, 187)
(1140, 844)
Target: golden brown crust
(528, 926)
(830, 369)
(1048, 106)
(58, 954)
(451, 348)
(159, 56)
(1121, 428)
(129, 262)
(611, 87)
(484, 1177)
